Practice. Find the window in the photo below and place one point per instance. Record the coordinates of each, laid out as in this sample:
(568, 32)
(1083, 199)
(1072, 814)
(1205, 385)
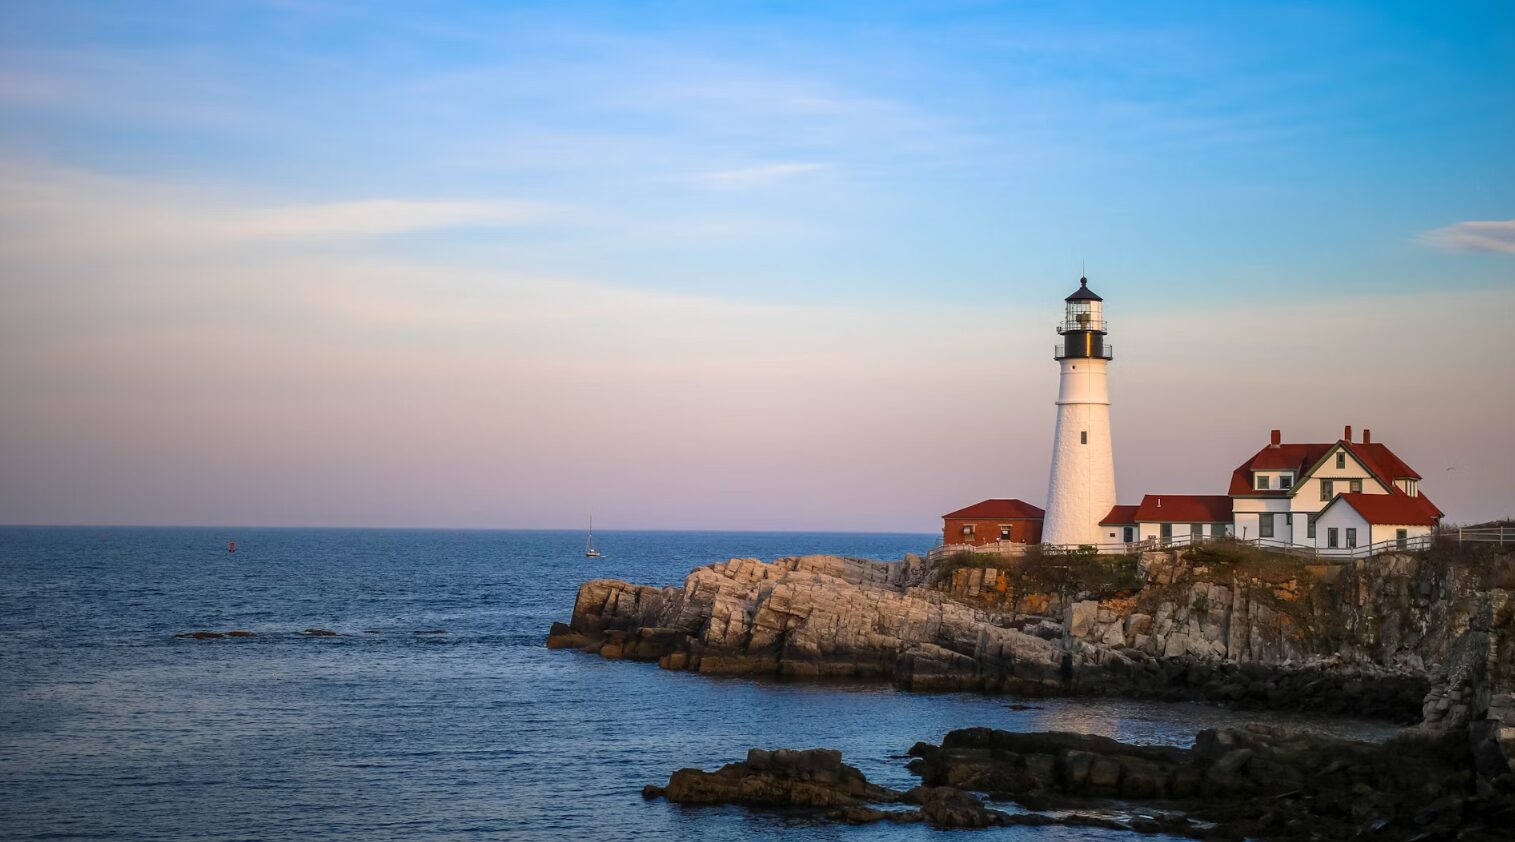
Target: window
(1220, 530)
(1265, 525)
(1327, 489)
(1166, 531)
(1288, 518)
(1004, 532)
(1286, 481)
(1331, 538)
(968, 529)
(1262, 482)
(1083, 436)
(1341, 459)
(1351, 536)
(1310, 527)
(1401, 538)
(1130, 534)
(1356, 486)
(1196, 530)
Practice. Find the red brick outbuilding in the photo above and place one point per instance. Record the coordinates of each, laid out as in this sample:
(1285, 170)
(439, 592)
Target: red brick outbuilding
(993, 520)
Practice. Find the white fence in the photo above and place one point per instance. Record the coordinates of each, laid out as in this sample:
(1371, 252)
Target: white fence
(1484, 535)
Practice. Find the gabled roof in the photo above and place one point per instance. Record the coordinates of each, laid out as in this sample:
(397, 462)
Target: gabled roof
(1007, 509)
(1184, 508)
(1285, 457)
(1381, 460)
(1120, 515)
(1083, 293)
(1388, 509)
(1301, 458)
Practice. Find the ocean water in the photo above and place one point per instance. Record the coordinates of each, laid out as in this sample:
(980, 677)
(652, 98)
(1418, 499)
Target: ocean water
(111, 728)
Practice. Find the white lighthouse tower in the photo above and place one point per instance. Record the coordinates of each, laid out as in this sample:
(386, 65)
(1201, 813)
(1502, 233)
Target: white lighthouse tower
(1081, 490)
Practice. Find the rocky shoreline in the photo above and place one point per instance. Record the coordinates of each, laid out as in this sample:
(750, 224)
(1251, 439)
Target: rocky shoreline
(1251, 783)
(1418, 638)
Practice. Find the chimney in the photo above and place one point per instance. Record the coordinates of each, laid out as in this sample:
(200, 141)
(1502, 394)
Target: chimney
(1278, 438)
(1367, 436)
(1346, 433)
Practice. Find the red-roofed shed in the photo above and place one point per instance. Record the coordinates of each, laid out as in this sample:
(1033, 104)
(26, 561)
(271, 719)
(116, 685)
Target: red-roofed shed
(989, 521)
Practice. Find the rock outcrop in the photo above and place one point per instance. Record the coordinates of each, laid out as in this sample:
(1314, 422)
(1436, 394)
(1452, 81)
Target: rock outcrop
(818, 780)
(1256, 782)
(214, 635)
(782, 778)
(1414, 637)
(816, 616)
(1251, 783)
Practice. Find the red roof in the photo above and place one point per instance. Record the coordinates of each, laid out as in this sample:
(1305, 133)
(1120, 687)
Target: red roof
(1120, 515)
(1390, 509)
(1286, 457)
(1425, 504)
(1186, 508)
(1377, 458)
(1001, 509)
(1381, 460)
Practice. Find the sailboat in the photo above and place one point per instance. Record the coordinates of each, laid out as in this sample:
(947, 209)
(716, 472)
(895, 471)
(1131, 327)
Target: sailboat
(589, 550)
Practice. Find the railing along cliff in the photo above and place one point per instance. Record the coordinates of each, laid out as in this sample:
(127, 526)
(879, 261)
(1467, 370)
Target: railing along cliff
(1484, 535)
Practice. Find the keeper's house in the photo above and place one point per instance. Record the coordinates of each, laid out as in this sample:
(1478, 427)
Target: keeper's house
(993, 521)
(1330, 496)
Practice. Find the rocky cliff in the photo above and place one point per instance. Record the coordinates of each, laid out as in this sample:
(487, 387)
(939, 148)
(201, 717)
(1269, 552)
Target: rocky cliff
(1419, 637)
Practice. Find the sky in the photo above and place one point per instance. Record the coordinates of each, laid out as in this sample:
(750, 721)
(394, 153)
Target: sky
(781, 266)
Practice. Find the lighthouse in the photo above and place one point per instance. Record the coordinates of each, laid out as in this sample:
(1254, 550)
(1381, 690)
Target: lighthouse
(1081, 489)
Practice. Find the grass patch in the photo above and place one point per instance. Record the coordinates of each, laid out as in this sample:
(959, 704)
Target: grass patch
(1232, 559)
(1039, 570)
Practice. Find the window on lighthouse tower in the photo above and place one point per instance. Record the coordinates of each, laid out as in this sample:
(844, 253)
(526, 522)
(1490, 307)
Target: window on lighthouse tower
(1083, 436)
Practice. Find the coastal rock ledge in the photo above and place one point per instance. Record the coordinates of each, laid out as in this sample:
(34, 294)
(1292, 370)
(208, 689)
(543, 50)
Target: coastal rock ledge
(815, 616)
(1416, 637)
(1233, 784)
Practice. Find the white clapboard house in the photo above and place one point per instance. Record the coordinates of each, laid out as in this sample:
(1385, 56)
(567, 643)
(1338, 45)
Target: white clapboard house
(1335, 497)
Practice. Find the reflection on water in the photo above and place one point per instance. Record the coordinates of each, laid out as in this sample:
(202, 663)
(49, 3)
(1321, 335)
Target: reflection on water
(112, 729)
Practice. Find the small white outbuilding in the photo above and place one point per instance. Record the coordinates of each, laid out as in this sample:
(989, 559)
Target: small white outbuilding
(1352, 521)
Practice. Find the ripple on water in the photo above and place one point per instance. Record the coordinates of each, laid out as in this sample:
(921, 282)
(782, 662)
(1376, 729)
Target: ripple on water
(112, 729)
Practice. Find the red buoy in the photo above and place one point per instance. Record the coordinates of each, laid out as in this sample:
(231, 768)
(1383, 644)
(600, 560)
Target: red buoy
(232, 547)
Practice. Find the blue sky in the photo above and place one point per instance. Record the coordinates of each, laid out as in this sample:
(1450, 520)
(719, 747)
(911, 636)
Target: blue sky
(559, 228)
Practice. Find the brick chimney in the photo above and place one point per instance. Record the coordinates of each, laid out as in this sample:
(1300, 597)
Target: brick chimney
(1278, 439)
(1346, 433)
(1367, 436)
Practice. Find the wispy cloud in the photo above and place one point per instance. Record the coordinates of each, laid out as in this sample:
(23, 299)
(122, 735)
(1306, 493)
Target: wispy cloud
(71, 213)
(755, 176)
(1496, 235)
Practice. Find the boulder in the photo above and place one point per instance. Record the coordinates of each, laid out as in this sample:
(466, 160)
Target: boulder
(780, 778)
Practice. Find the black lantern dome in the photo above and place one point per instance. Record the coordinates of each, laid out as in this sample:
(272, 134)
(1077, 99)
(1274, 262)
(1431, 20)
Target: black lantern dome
(1083, 293)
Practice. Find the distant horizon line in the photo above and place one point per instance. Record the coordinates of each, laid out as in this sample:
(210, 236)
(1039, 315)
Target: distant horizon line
(449, 528)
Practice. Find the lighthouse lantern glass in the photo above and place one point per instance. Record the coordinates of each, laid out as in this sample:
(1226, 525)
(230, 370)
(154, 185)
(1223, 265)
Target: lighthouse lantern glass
(1084, 312)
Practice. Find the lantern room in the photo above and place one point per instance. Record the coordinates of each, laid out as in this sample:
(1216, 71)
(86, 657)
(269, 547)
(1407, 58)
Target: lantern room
(1083, 326)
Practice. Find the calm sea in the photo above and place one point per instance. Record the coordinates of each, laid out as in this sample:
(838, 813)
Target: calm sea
(110, 728)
